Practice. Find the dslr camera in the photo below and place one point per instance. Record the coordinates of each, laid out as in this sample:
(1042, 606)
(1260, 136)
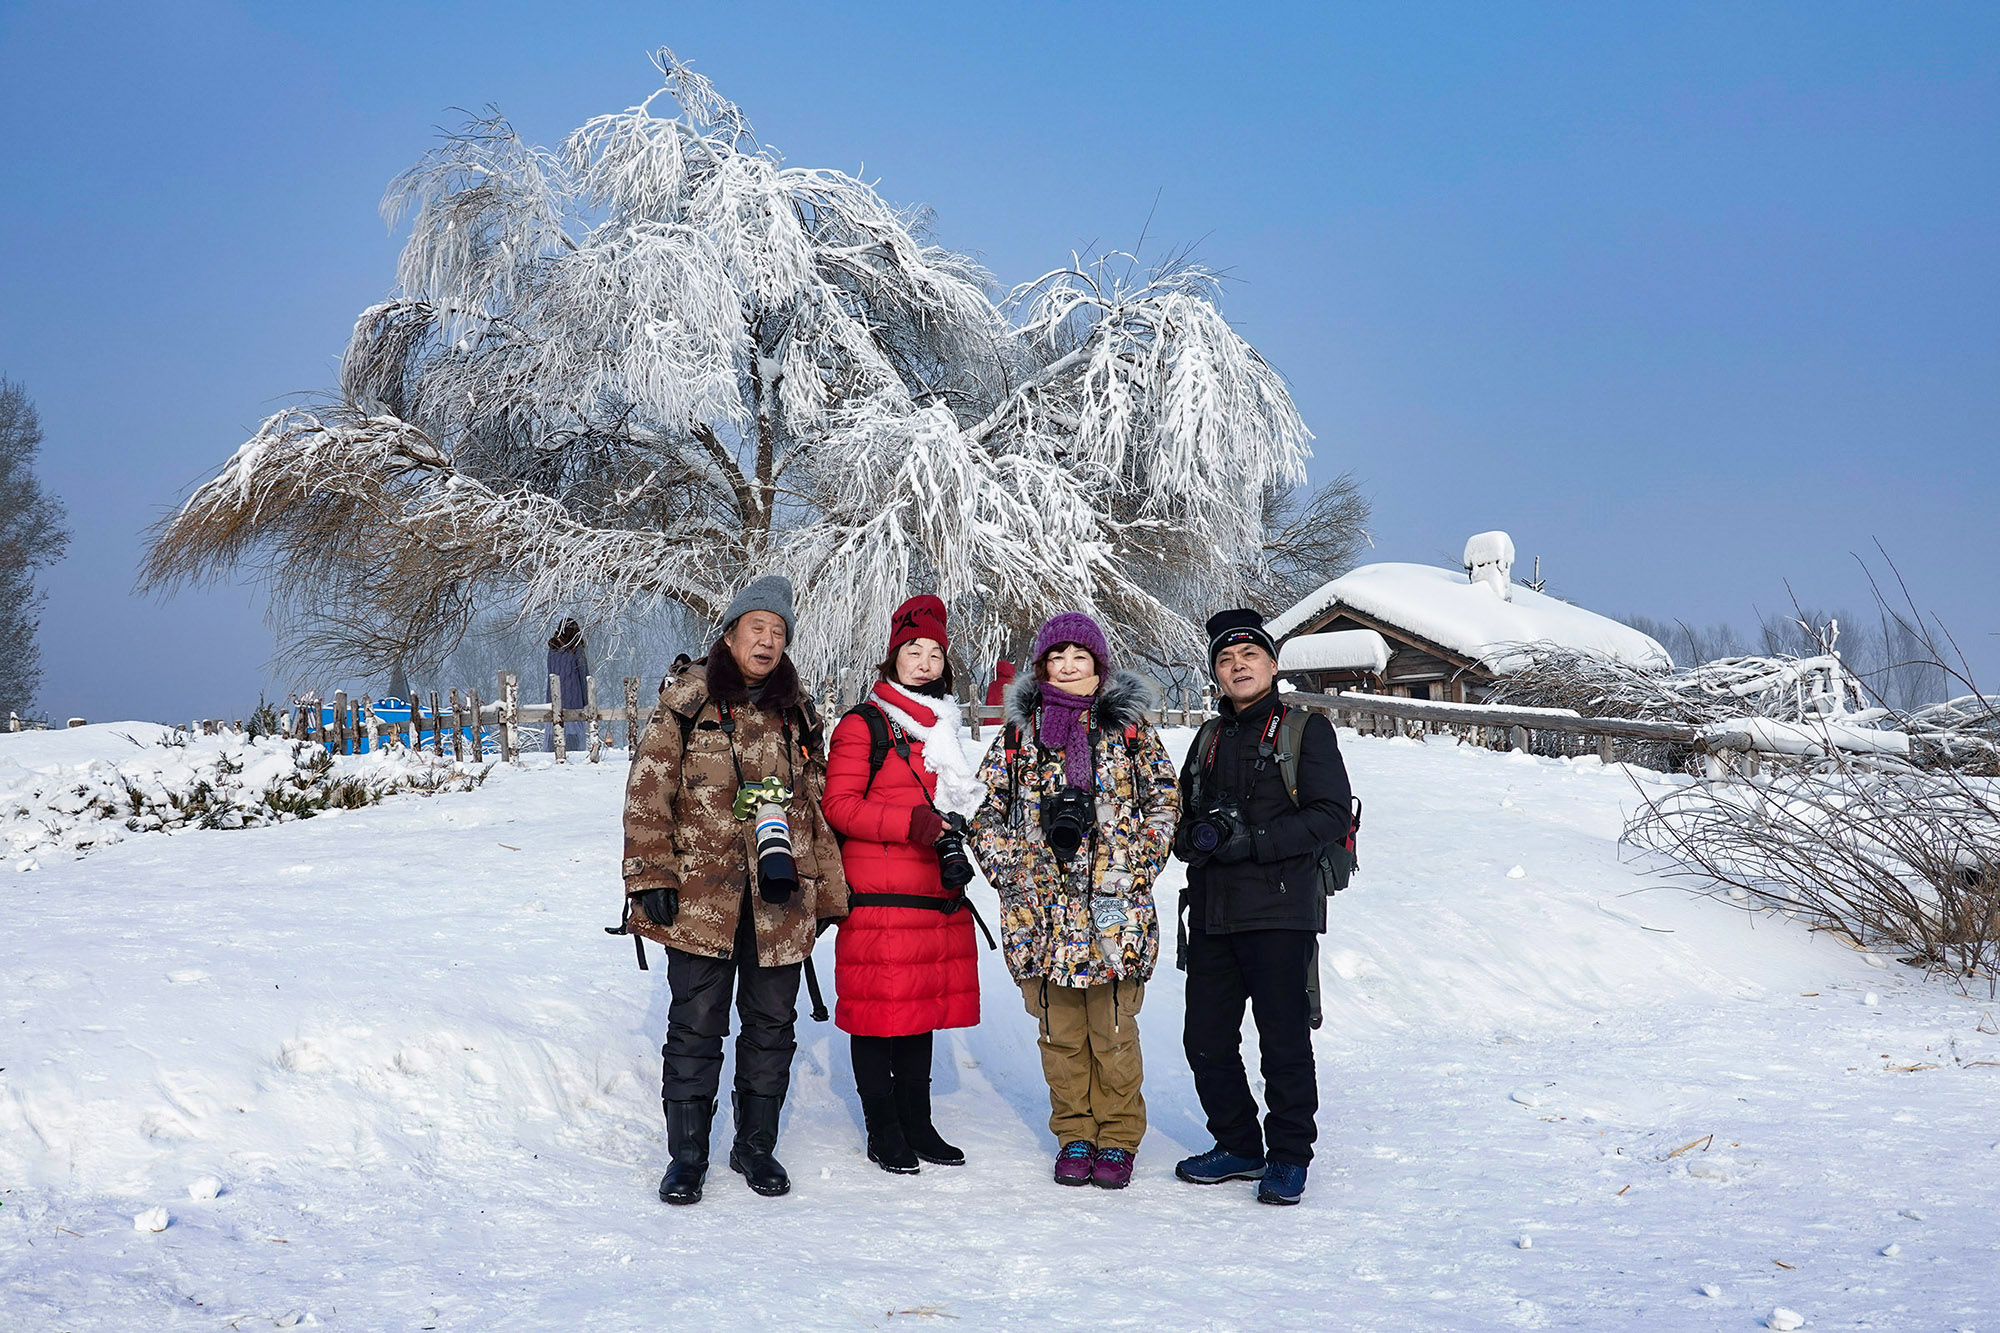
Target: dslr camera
(1218, 833)
(1067, 817)
(954, 866)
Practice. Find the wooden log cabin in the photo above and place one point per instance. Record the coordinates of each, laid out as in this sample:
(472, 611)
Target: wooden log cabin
(1444, 634)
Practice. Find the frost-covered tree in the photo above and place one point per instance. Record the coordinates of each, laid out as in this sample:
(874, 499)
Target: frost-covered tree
(32, 536)
(658, 360)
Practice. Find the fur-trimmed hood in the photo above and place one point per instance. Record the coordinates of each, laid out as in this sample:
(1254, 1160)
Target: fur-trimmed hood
(1122, 700)
(718, 677)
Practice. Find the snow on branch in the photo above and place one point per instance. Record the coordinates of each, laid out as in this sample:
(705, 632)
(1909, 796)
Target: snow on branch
(660, 361)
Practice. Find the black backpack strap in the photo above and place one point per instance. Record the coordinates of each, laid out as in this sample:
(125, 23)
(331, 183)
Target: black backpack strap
(879, 740)
(1010, 740)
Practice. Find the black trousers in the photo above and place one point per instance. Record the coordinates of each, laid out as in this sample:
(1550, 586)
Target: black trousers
(882, 1062)
(698, 1019)
(1268, 969)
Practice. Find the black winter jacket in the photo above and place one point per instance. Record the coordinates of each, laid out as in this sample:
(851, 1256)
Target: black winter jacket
(1277, 890)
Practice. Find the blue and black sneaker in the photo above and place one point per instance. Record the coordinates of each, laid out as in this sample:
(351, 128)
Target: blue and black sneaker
(1283, 1182)
(1217, 1165)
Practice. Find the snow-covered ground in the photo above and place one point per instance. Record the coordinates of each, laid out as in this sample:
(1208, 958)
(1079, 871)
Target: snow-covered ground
(420, 1083)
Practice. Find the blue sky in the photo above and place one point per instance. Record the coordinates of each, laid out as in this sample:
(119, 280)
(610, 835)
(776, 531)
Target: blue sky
(1692, 300)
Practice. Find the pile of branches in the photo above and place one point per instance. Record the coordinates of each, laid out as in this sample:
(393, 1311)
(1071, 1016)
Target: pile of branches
(1962, 734)
(1907, 859)
(1816, 689)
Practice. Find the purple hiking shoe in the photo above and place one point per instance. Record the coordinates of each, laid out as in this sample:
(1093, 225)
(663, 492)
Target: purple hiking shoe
(1074, 1163)
(1113, 1169)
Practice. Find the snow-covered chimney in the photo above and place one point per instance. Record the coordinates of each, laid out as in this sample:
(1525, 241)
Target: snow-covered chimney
(1489, 559)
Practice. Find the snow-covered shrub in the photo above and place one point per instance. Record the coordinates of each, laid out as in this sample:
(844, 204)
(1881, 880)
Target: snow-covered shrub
(227, 781)
(1905, 858)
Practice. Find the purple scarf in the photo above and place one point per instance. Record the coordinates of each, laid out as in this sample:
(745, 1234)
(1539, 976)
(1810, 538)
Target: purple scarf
(1064, 727)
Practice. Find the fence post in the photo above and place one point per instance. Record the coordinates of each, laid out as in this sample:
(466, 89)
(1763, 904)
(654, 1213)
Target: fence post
(631, 717)
(340, 722)
(457, 720)
(556, 720)
(477, 740)
(1520, 738)
(1604, 749)
(374, 723)
(510, 700)
(591, 730)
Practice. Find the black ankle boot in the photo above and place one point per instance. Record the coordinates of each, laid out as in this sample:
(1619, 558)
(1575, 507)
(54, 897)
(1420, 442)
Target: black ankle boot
(913, 1108)
(756, 1136)
(887, 1147)
(687, 1141)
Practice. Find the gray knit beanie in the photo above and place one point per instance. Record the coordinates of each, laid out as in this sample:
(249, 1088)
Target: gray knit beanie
(772, 593)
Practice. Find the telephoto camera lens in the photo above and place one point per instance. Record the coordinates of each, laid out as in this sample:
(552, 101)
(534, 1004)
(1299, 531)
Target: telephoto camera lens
(777, 876)
(954, 866)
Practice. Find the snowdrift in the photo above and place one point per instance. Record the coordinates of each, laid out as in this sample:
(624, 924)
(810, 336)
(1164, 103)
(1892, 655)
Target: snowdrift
(382, 1069)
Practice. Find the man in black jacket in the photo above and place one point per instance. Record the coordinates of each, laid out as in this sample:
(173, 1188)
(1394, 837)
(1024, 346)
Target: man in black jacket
(1254, 907)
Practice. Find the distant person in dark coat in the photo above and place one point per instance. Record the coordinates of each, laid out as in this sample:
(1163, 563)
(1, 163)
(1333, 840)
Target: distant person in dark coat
(569, 663)
(1003, 676)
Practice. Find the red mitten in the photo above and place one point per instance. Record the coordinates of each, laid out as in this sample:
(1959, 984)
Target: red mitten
(925, 825)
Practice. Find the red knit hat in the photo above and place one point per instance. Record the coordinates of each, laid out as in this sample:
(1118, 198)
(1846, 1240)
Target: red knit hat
(919, 618)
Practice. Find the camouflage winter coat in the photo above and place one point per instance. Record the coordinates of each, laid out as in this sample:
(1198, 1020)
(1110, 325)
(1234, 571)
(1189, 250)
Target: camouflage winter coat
(681, 832)
(1045, 910)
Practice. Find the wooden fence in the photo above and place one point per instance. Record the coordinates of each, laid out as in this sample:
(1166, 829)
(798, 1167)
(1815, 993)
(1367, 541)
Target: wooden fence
(461, 724)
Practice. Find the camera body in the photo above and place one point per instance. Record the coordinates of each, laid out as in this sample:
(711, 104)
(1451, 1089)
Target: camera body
(1067, 817)
(954, 866)
(1213, 830)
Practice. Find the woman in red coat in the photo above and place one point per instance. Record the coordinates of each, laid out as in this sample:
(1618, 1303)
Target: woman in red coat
(905, 961)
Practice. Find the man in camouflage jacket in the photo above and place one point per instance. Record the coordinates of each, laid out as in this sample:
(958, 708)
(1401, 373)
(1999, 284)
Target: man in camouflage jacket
(692, 882)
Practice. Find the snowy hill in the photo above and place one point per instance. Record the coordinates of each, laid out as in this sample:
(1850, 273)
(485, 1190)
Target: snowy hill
(1556, 1093)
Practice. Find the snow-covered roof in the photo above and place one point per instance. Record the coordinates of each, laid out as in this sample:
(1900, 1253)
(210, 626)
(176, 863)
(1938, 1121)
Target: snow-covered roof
(1468, 618)
(1342, 650)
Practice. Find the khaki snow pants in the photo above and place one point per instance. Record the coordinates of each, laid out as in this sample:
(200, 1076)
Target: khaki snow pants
(1089, 1037)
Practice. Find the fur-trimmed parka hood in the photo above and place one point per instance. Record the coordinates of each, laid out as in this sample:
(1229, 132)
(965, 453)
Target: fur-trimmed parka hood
(1122, 700)
(718, 677)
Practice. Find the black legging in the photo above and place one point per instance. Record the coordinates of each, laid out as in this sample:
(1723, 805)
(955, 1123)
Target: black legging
(881, 1062)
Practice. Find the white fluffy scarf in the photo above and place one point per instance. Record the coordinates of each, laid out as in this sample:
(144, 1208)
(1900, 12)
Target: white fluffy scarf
(959, 791)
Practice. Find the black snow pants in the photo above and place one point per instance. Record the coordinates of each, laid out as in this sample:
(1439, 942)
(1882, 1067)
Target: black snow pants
(1268, 969)
(698, 1020)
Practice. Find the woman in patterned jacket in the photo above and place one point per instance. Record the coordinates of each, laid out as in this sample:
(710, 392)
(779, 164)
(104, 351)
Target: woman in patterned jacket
(1078, 819)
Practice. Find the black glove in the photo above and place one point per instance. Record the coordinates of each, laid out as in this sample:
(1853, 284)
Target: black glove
(660, 905)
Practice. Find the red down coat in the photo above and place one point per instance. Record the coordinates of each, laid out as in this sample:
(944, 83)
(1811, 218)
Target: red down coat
(898, 970)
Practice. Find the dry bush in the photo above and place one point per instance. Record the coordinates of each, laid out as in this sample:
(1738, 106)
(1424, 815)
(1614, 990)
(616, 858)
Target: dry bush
(1909, 859)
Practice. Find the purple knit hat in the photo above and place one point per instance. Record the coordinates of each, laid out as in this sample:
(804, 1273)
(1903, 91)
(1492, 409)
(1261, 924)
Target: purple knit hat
(1072, 627)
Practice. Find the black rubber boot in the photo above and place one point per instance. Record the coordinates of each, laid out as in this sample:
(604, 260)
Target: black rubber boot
(688, 1124)
(756, 1136)
(913, 1108)
(887, 1147)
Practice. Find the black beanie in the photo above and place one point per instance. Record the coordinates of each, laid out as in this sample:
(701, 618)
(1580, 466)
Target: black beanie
(1241, 625)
